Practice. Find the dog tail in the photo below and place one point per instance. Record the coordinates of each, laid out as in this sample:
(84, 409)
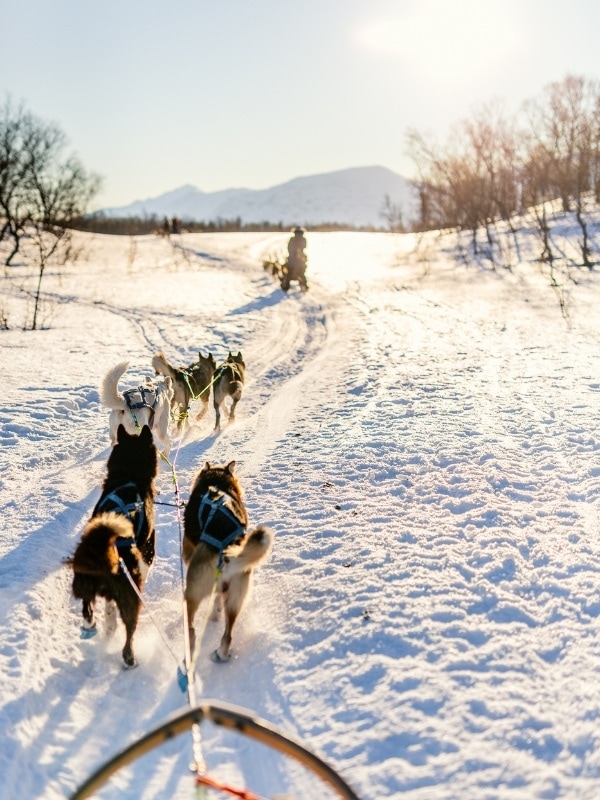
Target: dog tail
(235, 390)
(96, 554)
(161, 365)
(109, 392)
(255, 549)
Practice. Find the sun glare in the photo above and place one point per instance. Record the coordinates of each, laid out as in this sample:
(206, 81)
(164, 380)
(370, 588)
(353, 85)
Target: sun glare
(445, 41)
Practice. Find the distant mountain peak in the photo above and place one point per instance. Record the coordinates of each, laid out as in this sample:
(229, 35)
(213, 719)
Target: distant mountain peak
(353, 196)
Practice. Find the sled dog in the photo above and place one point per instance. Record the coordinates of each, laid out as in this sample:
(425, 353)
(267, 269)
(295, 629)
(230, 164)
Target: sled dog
(117, 544)
(148, 404)
(219, 554)
(189, 383)
(228, 381)
(273, 265)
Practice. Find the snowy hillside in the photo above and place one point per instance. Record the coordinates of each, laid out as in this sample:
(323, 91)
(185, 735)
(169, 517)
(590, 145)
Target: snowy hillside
(350, 197)
(423, 439)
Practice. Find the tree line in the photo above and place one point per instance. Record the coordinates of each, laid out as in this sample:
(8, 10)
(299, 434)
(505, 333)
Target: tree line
(495, 167)
(134, 226)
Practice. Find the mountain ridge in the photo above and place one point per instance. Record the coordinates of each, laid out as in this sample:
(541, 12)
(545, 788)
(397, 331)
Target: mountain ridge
(355, 196)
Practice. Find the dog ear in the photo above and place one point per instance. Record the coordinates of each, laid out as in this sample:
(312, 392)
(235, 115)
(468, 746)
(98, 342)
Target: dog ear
(230, 467)
(239, 355)
(146, 435)
(121, 434)
(206, 466)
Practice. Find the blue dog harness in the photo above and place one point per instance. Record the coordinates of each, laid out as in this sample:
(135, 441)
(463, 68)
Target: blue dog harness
(125, 500)
(219, 526)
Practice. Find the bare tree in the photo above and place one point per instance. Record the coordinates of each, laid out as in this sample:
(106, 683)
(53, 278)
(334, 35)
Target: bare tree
(565, 136)
(392, 214)
(41, 192)
(495, 167)
(497, 147)
(452, 188)
(436, 203)
(15, 125)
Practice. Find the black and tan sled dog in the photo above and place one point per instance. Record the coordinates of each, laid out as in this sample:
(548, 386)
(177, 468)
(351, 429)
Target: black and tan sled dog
(219, 554)
(117, 545)
(189, 383)
(229, 381)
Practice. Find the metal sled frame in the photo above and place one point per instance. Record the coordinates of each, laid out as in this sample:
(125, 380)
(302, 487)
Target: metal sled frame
(228, 716)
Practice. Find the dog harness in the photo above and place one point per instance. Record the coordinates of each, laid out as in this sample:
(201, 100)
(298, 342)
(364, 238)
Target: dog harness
(125, 500)
(219, 526)
(142, 397)
(188, 375)
(236, 372)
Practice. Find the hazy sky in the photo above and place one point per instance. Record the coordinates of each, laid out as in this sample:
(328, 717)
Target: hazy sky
(252, 93)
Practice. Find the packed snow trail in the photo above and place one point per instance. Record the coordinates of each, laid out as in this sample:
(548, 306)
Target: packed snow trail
(423, 440)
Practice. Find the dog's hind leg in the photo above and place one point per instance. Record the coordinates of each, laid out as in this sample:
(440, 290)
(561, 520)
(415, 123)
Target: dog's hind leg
(110, 618)
(217, 415)
(236, 396)
(217, 607)
(88, 626)
(234, 592)
(199, 585)
(85, 590)
(161, 428)
(203, 409)
(129, 614)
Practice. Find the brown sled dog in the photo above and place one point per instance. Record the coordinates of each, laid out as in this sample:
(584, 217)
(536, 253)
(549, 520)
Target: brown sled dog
(229, 381)
(189, 383)
(121, 529)
(215, 538)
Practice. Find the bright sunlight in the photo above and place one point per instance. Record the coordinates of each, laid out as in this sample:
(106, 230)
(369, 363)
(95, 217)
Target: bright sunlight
(445, 41)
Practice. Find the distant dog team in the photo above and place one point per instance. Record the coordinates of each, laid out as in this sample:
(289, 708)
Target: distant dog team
(117, 546)
(156, 403)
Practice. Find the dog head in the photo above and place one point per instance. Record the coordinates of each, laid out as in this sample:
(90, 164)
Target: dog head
(220, 475)
(208, 361)
(239, 359)
(134, 456)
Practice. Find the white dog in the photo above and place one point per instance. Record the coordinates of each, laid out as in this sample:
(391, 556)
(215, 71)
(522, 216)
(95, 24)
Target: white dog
(148, 404)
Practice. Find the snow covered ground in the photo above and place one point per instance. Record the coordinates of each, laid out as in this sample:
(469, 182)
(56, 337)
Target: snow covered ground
(423, 439)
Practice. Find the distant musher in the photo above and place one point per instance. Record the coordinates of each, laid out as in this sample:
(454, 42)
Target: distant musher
(295, 267)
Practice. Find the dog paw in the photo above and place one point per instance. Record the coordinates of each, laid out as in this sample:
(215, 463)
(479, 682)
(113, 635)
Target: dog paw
(218, 659)
(182, 678)
(128, 657)
(88, 633)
